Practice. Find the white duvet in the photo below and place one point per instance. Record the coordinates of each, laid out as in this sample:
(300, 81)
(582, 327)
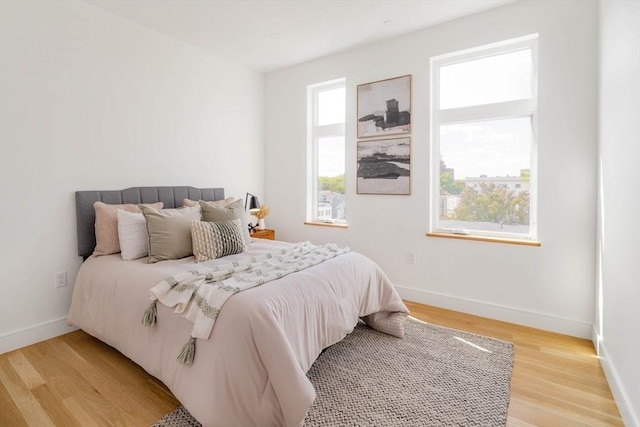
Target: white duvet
(251, 371)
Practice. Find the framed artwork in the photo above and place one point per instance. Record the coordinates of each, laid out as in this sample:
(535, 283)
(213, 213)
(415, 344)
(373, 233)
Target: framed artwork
(384, 107)
(384, 166)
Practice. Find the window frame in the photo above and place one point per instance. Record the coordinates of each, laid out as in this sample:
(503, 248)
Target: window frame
(314, 133)
(519, 108)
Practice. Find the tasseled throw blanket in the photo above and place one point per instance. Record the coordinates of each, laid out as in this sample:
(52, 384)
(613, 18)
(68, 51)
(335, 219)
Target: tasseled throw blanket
(198, 295)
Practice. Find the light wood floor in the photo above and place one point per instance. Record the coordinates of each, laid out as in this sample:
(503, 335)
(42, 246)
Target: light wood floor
(76, 380)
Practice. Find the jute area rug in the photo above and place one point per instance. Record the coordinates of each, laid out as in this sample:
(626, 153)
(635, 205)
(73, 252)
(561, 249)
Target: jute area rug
(433, 377)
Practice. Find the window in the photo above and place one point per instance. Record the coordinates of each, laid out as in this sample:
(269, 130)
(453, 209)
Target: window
(483, 118)
(326, 201)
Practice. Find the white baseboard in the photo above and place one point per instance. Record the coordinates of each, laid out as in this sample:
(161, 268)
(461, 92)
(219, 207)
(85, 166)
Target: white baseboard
(629, 415)
(33, 334)
(533, 319)
(595, 339)
(627, 412)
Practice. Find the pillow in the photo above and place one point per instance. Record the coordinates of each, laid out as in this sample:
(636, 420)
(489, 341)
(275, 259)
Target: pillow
(169, 232)
(216, 239)
(107, 226)
(133, 236)
(231, 211)
(217, 203)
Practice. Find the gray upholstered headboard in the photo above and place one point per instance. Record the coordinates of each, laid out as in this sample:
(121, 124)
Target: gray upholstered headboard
(170, 196)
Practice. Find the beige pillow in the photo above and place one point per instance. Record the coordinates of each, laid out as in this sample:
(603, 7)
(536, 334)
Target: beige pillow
(216, 239)
(169, 232)
(217, 203)
(107, 241)
(231, 211)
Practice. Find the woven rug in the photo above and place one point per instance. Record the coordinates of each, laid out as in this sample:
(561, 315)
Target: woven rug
(433, 377)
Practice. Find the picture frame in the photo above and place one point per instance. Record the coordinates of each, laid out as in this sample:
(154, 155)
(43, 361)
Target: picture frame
(384, 166)
(384, 107)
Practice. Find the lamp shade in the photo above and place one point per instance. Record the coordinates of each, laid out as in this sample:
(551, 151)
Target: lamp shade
(251, 202)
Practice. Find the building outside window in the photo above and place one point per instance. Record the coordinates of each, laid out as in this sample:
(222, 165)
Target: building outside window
(326, 202)
(483, 145)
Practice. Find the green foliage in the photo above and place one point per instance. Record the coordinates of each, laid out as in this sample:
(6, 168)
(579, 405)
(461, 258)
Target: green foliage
(449, 185)
(493, 204)
(333, 183)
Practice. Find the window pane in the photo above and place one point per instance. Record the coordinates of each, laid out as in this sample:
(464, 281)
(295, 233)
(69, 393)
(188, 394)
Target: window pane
(484, 175)
(331, 164)
(497, 78)
(331, 106)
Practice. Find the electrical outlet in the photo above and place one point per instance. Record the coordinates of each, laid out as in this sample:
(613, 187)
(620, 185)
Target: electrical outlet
(61, 279)
(412, 258)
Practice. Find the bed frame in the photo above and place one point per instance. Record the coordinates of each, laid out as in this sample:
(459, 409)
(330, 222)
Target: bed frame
(170, 196)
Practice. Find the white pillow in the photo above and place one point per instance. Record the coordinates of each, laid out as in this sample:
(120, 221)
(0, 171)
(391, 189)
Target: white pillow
(133, 235)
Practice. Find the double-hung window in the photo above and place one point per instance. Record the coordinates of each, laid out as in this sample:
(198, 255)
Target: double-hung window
(326, 201)
(483, 144)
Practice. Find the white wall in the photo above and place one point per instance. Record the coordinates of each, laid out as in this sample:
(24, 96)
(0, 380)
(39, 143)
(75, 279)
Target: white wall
(619, 204)
(550, 287)
(91, 101)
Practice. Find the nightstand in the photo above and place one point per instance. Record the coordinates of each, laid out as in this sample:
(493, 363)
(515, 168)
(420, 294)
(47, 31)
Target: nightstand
(264, 234)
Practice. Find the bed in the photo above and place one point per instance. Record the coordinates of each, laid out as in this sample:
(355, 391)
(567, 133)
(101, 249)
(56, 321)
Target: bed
(251, 370)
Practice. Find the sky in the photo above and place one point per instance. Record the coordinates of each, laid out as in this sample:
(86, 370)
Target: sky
(492, 148)
(331, 156)
(496, 78)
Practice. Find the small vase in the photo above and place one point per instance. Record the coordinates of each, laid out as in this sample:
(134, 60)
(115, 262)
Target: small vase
(261, 225)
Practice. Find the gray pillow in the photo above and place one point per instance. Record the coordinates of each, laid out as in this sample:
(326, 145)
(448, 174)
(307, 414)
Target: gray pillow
(231, 211)
(169, 232)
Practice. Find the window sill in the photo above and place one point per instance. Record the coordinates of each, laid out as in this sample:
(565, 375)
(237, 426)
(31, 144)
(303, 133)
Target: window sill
(326, 224)
(487, 239)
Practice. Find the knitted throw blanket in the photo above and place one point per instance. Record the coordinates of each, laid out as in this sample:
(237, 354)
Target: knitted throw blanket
(198, 295)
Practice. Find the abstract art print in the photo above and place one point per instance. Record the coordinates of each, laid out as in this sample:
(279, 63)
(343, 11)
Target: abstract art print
(384, 107)
(384, 166)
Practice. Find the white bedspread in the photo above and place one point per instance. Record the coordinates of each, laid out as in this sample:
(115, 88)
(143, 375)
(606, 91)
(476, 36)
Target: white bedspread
(251, 372)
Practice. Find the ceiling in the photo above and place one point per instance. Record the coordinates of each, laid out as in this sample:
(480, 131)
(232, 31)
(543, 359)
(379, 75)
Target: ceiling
(267, 35)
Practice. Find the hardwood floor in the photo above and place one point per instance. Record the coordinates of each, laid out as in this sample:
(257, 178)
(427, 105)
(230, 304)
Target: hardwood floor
(76, 380)
(557, 380)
